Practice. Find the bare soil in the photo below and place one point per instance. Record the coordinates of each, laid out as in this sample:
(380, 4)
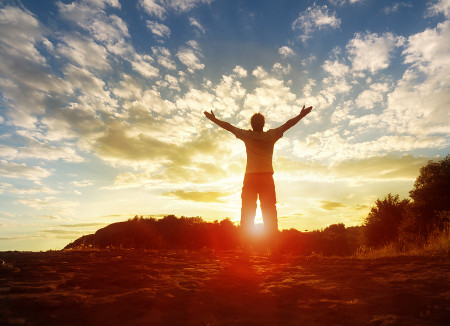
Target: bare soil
(220, 288)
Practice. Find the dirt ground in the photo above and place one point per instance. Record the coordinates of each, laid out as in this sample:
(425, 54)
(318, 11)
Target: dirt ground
(220, 288)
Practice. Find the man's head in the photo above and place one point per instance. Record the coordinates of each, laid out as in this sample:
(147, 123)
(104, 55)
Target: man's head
(257, 121)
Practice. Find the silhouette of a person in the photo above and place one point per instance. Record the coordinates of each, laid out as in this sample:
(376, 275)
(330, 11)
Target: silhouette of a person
(258, 179)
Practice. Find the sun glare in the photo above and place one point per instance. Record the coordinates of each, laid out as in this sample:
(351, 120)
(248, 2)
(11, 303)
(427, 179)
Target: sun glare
(258, 217)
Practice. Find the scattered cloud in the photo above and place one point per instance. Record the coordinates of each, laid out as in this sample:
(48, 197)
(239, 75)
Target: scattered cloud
(344, 2)
(23, 171)
(198, 196)
(142, 64)
(438, 7)
(393, 8)
(42, 150)
(153, 8)
(372, 52)
(280, 69)
(315, 18)
(106, 29)
(330, 205)
(48, 203)
(159, 8)
(240, 72)
(418, 104)
(82, 183)
(190, 56)
(158, 29)
(194, 22)
(285, 52)
(370, 97)
(333, 146)
(272, 97)
(84, 52)
(335, 68)
(163, 57)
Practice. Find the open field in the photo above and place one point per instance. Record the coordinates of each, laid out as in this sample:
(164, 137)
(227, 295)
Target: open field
(220, 288)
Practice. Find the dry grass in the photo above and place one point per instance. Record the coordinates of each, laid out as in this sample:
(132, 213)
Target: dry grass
(438, 244)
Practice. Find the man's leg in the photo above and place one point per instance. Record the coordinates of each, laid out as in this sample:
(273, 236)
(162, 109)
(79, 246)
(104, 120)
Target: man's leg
(249, 197)
(267, 198)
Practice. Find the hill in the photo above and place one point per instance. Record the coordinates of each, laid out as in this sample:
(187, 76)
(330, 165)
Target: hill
(171, 232)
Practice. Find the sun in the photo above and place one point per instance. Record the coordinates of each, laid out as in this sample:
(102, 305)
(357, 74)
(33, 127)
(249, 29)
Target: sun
(258, 216)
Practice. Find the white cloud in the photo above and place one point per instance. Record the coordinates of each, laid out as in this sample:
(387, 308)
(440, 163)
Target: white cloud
(103, 3)
(285, 52)
(280, 69)
(159, 8)
(330, 145)
(271, 97)
(343, 2)
(158, 29)
(419, 103)
(439, 6)
(429, 50)
(228, 92)
(189, 56)
(194, 22)
(185, 5)
(370, 97)
(307, 61)
(84, 52)
(163, 57)
(22, 171)
(52, 203)
(32, 191)
(109, 30)
(153, 8)
(44, 151)
(372, 52)
(25, 81)
(239, 71)
(395, 7)
(313, 18)
(335, 68)
(141, 64)
(20, 31)
(7, 152)
(86, 83)
(172, 82)
(82, 183)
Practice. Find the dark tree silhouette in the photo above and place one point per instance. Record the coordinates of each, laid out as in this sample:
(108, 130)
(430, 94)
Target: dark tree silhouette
(382, 223)
(431, 197)
(172, 232)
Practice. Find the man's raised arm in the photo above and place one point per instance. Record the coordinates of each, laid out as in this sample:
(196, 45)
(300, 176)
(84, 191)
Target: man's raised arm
(292, 122)
(225, 125)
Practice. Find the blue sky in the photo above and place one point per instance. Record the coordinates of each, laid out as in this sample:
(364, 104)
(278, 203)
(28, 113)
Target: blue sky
(101, 108)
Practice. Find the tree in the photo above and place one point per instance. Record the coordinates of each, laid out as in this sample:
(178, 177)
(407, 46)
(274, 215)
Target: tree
(383, 221)
(431, 195)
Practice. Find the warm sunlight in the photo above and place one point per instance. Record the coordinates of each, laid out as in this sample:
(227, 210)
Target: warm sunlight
(224, 162)
(258, 217)
(101, 109)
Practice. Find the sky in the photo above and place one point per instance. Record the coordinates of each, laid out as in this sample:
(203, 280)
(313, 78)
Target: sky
(101, 108)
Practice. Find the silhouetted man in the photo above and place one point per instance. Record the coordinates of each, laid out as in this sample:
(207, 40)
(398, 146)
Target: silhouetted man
(258, 179)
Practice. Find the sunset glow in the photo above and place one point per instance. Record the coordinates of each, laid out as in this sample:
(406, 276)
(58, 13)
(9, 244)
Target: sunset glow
(101, 108)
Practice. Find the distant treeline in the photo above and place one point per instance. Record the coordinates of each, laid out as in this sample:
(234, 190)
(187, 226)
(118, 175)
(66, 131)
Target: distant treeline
(390, 221)
(171, 232)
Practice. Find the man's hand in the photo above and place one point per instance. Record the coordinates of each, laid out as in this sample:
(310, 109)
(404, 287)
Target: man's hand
(210, 116)
(223, 124)
(304, 111)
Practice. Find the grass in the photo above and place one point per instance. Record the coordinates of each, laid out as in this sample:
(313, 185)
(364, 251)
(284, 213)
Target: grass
(437, 244)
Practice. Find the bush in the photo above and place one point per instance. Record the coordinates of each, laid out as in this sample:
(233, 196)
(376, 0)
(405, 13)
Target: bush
(382, 223)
